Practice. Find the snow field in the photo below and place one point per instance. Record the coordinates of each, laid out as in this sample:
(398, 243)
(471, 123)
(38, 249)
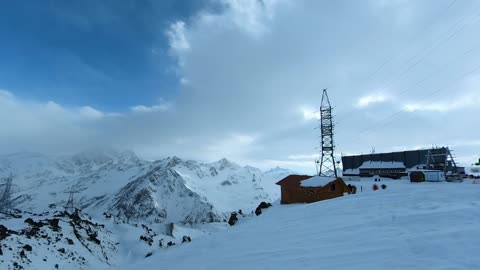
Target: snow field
(406, 226)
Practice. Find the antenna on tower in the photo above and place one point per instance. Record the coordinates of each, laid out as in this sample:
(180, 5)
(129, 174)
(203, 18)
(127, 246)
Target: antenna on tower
(70, 207)
(6, 198)
(327, 166)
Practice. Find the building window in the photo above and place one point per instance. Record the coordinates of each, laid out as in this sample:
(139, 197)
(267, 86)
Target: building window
(332, 187)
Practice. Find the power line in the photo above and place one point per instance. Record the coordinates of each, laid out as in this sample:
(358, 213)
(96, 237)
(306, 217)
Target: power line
(428, 50)
(431, 49)
(400, 94)
(69, 206)
(416, 105)
(6, 198)
(411, 40)
(442, 67)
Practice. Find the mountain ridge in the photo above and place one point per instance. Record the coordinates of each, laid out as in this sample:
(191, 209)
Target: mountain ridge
(171, 190)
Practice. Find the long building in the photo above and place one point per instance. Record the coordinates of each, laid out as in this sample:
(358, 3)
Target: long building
(398, 164)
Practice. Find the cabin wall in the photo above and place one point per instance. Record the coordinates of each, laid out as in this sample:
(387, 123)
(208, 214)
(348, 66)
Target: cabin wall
(310, 194)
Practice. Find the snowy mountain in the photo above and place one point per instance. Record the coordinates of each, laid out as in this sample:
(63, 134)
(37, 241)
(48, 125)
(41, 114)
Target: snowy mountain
(134, 190)
(405, 226)
(161, 196)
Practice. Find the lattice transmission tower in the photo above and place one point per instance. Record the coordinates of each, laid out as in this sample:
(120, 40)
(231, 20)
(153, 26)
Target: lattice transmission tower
(327, 160)
(70, 207)
(6, 197)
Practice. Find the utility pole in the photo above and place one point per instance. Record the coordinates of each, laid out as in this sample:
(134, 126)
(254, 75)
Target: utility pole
(6, 198)
(328, 167)
(70, 207)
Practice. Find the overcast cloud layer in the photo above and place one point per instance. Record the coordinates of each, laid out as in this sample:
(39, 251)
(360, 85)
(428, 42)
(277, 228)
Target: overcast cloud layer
(400, 75)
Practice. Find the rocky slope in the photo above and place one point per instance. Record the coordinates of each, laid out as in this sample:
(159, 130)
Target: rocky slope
(60, 241)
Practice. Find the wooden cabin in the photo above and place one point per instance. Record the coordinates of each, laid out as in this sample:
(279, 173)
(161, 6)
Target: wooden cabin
(308, 189)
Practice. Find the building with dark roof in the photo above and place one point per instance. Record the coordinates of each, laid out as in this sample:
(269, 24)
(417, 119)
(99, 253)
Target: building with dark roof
(397, 164)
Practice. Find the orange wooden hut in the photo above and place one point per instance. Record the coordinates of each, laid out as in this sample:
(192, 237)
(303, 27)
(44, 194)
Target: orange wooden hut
(308, 189)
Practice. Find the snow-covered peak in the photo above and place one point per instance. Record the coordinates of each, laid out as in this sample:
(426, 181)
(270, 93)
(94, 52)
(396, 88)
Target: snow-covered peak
(174, 161)
(279, 170)
(128, 155)
(224, 163)
(96, 156)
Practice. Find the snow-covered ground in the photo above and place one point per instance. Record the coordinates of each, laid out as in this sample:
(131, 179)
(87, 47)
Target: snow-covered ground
(405, 226)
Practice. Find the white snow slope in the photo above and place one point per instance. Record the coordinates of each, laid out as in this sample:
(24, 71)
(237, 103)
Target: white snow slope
(406, 226)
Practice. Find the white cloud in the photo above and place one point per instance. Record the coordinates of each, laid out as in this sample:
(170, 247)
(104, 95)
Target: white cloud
(304, 157)
(251, 77)
(6, 95)
(298, 166)
(54, 107)
(458, 102)
(90, 112)
(251, 16)
(368, 100)
(237, 145)
(154, 108)
(38, 126)
(162, 106)
(260, 69)
(309, 113)
(177, 37)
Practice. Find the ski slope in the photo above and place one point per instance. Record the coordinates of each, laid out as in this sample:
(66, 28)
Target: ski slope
(406, 226)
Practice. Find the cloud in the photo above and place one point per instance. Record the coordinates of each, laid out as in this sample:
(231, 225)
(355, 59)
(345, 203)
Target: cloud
(177, 37)
(161, 107)
(252, 17)
(6, 95)
(253, 74)
(90, 112)
(460, 102)
(37, 126)
(235, 144)
(368, 100)
(309, 114)
(303, 156)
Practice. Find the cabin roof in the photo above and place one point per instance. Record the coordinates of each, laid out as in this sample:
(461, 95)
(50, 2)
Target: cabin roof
(293, 180)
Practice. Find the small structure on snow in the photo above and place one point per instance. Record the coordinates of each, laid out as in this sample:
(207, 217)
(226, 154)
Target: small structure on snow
(308, 189)
(426, 176)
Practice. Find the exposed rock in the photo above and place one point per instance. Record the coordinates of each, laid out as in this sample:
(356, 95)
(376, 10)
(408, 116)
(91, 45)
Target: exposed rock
(262, 205)
(233, 219)
(186, 239)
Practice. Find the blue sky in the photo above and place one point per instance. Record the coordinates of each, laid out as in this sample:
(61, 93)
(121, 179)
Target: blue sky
(239, 79)
(107, 54)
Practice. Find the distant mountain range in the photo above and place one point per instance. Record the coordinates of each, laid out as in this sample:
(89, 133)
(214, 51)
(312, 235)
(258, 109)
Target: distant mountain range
(130, 189)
